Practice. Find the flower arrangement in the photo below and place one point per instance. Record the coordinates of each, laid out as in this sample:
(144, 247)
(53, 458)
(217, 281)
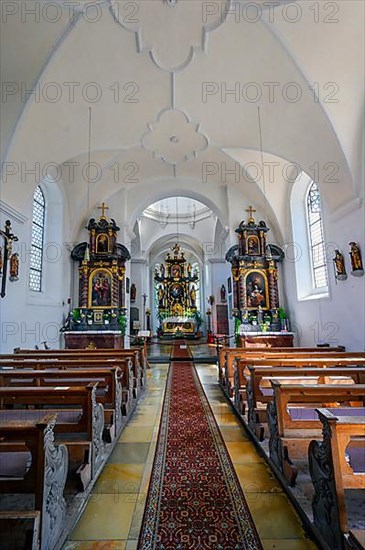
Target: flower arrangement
(122, 321)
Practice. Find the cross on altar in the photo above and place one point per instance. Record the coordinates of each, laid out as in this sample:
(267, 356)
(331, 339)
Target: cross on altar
(250, 211)
(103, 207)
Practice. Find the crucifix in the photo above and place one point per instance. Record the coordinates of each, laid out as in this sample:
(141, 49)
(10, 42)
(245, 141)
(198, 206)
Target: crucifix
(9, 238)
(250, 211)
(103, 207)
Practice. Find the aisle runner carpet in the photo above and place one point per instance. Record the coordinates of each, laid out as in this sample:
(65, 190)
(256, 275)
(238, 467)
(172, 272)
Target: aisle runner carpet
(194, 500)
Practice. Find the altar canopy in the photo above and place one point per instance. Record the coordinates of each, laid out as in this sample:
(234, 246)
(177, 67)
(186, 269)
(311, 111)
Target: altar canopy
(176, 284)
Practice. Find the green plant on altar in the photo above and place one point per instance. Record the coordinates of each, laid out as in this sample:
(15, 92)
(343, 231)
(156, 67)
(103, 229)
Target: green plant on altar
(237, 324)
(264, 326)
(106, 316)
(76, 314)
(281, 313)
(122, 322)
(161, 316)
(178, 333)
(198, 319)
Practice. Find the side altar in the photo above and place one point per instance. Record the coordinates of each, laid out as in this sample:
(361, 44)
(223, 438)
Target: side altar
(176, 287)
(100, 318)
(256, 304)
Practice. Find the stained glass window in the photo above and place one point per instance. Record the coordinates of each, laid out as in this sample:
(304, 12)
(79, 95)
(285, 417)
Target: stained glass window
(316, 237)
(36, 255)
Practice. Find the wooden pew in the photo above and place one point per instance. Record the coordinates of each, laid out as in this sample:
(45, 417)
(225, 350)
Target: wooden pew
(272, 353)
(79, 416)
(332, 474)
(136, 354)
(241, 368)
(292, 420)
(259, 390)
(45, 478)
(227, 356)
(125, 364)
(109, 391)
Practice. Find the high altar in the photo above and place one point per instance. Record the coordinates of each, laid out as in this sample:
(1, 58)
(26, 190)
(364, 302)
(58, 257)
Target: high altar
(255, 285)
(176, 296)
(99, 320)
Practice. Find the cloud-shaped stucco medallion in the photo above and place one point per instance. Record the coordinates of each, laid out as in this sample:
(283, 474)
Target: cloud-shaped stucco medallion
(171, 30)
(174, 138)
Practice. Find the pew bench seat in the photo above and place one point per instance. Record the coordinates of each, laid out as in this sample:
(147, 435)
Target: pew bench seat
(293, 421)
(335, 476)
(44, 477)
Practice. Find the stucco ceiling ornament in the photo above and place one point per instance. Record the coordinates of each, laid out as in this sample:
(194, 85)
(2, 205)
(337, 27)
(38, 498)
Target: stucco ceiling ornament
(184, 28)
(174, 138)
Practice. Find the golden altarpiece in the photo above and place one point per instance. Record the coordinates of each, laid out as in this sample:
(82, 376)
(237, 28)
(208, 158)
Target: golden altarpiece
(101, 302)
(255, 283)
(176, 289)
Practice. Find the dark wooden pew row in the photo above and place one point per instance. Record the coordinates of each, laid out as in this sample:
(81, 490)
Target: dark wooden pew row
(109, 390)
(275, 356)
(242, 372)
(263, 354)
(126, 366)
(137, 380)
(259, 390)
(332, 475)
(227, 356)
(79, 425)
(136, 354)
(293, 422)
(45, 478)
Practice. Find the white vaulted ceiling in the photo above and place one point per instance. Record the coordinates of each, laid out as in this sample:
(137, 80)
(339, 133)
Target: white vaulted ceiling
(162, 69)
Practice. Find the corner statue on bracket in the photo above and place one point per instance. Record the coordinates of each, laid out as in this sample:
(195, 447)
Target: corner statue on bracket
(223, 294)
(356, 261)
(340, 269)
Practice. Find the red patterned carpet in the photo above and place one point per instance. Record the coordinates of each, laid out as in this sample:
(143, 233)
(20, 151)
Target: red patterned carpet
(194, 500)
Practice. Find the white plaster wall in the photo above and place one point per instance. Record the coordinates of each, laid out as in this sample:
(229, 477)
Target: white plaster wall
(29, 318)
(340, 318)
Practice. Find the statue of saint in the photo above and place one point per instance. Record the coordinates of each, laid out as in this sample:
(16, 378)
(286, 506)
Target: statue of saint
(356, 261)
(339, 261)
(192, 296)
(133, 292)
(14, 267)
(223, 294)
(160, 296)
(189, 268)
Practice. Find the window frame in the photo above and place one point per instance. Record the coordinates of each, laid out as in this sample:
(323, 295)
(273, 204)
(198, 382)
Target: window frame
(39, 244)
(321, 244)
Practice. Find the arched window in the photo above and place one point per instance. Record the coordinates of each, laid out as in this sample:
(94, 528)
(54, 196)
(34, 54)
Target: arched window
(307, 251)
(36, 255)
(316, 237)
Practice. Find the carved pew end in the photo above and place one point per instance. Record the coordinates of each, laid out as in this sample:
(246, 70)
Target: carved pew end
(289, 470)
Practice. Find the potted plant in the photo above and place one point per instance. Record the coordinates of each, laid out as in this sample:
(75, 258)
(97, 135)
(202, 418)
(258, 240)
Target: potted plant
(122, 322)
(283, 318)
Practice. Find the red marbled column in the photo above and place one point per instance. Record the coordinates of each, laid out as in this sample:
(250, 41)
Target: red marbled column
(83, 289)
(273, 289)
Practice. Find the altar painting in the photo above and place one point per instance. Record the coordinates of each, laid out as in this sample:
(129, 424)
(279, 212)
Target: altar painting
(257, 292)
(100, 288)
